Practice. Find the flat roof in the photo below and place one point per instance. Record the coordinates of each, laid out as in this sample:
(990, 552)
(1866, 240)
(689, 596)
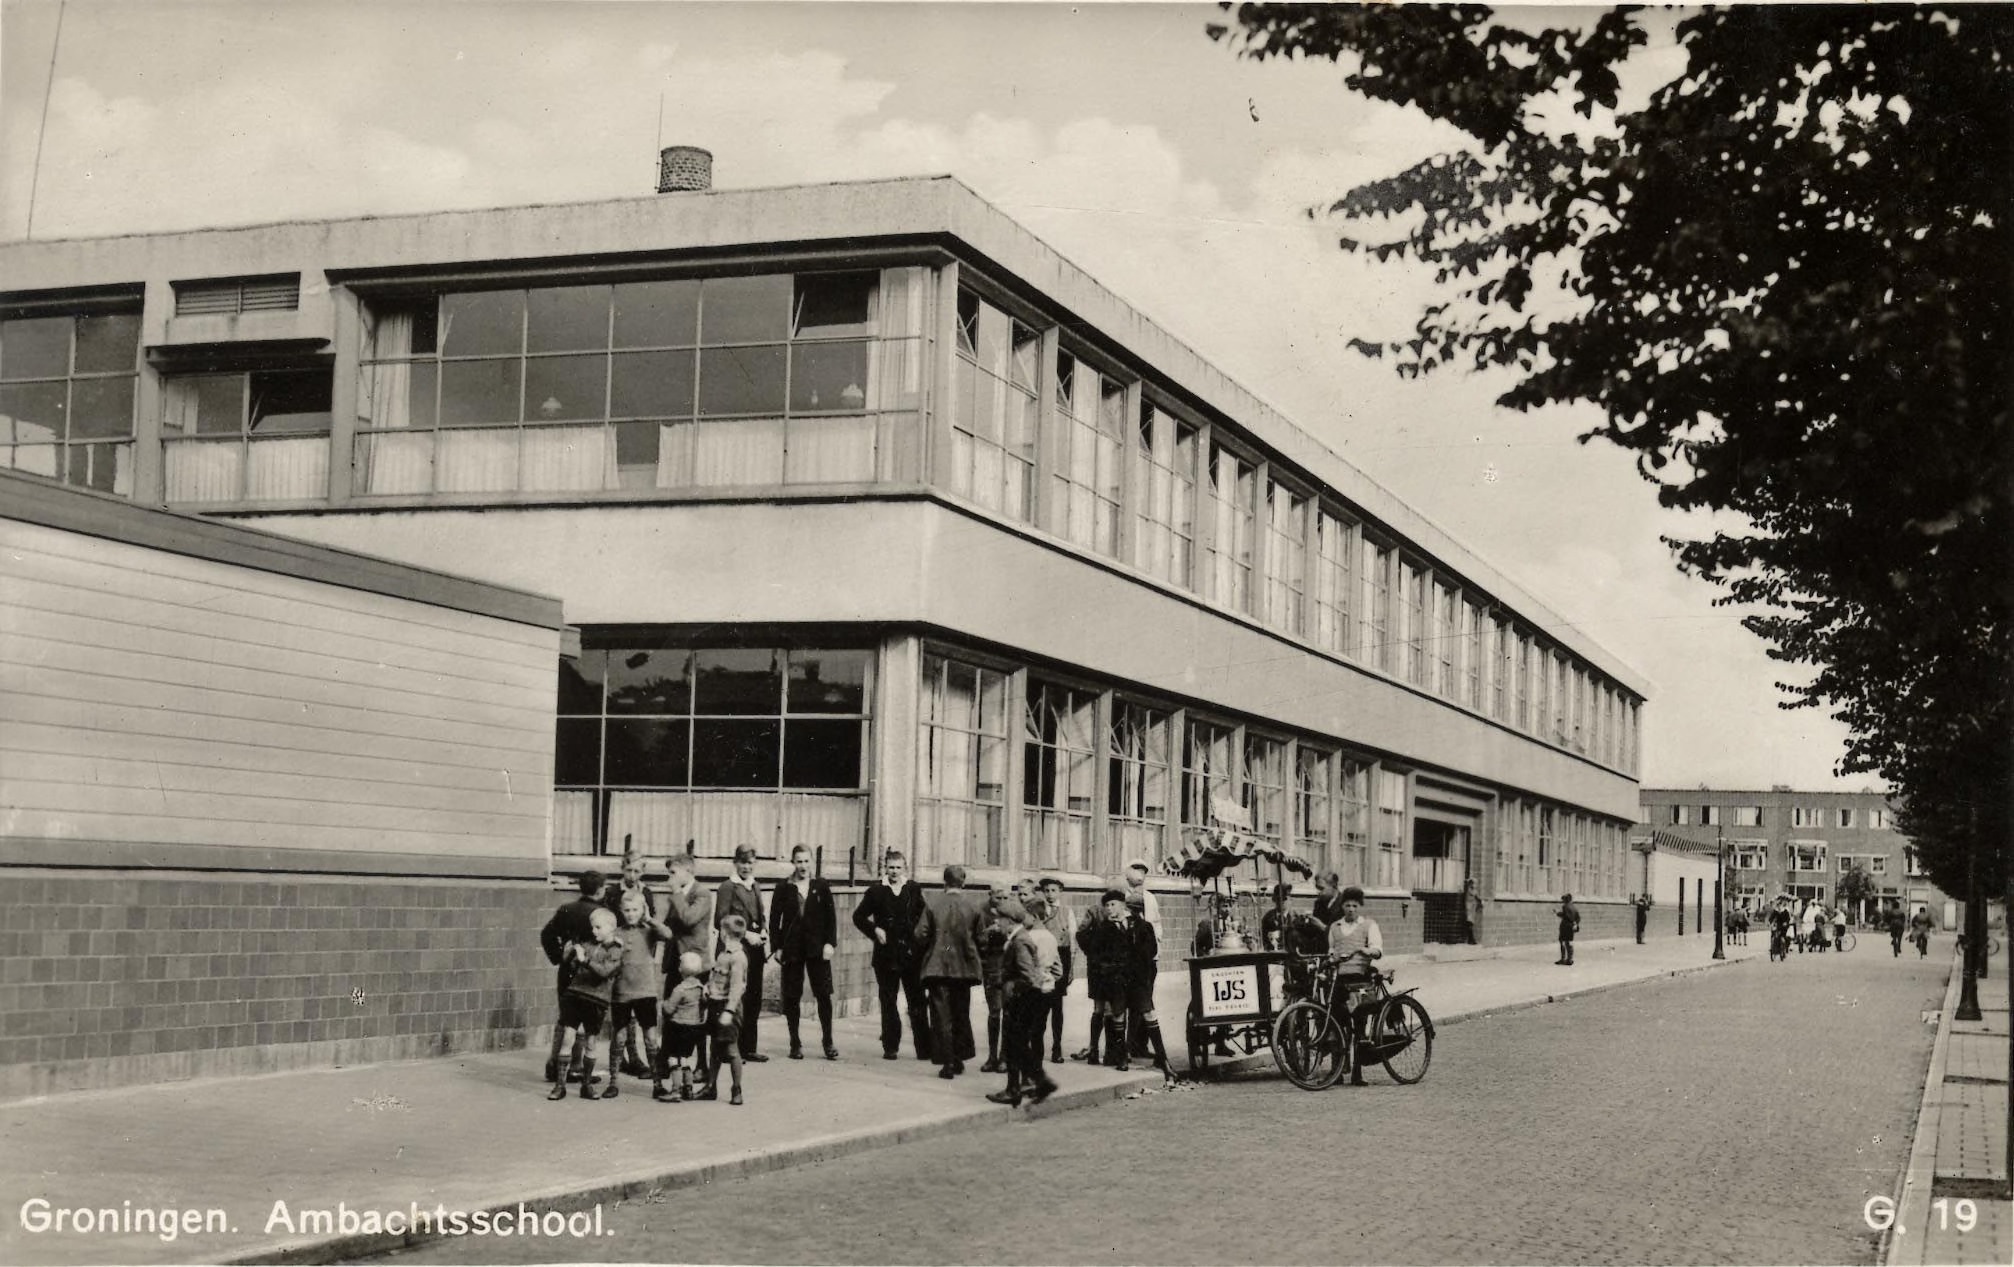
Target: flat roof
(926, 209)
(29, 499)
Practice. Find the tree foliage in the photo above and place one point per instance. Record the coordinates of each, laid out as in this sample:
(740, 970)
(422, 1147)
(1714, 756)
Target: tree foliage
(1785, 280)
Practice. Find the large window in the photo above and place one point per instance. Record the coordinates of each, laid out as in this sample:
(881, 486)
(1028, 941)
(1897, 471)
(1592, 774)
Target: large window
(993, 409)
(1521, 681)
(1265, 787)
(1059, 772)
(1447, 640)
(1335, 584)
(1807, 816)
(1353, 817)
(812, 378)
(1090, 436)
(66, 397)
(1476, 642)
(1139, 778)
(1806, 855)
(1501, 688)
(961, 793)
(1314, 808)
(719, 745)
(1747, 815)
(1286, 558)
(1413, 586)
(1228, 556)
(262, 435)
(1374, 613)
(1387, 862)
(1164, 497)
(1209, 772)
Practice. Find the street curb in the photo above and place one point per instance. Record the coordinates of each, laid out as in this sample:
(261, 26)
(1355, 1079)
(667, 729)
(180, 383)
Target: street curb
(644, 1183)
(1912, 1205)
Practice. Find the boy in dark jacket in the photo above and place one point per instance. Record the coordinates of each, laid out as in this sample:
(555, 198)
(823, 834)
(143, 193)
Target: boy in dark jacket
(569, 924)
(584, 1006)
(992, 971)
(1145, 950)
(1108, 972)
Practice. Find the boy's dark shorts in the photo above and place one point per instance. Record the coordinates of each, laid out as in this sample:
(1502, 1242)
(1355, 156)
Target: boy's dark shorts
(719, 1024)
(681, 1041)
(1138, 998)
(643, 1011)
(1112, 999)
(585, 1013)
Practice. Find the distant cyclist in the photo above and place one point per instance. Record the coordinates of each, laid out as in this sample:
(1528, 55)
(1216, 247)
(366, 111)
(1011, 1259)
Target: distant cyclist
(1920, 925)
(1779, 930)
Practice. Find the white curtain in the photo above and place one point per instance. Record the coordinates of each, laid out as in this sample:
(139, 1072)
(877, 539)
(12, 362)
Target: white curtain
(398, 462)
(719, 821)
(294, 468)
(721, 454)
(830, 451)
(567, 458)
(204, 470)
(477, 460)
(388, 387)
(573, 822)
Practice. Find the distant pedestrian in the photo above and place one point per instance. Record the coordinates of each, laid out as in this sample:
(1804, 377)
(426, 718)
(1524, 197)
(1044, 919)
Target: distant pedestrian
(889, 915)
(1093, 917)
(1839, 926)
(1472, 908)
(1642, 904)
(685, 1024)
(949, 944)
(633, 999)
(1807, 928)
(568, 925)
(1897, 926)
(1569, 924)
(726, 996)
(1920, 925)
(584, 1006)
(740, 894)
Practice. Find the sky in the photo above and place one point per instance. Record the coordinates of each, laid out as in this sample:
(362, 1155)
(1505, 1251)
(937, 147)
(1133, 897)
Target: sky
(1176, 173)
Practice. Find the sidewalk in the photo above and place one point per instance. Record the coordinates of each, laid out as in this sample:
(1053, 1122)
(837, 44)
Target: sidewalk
(1960, 1152)
(477, 1133)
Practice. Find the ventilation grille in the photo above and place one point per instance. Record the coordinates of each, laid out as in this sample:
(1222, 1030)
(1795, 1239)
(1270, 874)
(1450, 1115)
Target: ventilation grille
(278, 293)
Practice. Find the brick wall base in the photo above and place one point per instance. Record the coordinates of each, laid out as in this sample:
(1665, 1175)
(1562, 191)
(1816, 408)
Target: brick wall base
(110, 979)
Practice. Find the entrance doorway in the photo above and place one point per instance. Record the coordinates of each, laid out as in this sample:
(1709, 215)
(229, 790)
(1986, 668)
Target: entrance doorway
(1440, 866)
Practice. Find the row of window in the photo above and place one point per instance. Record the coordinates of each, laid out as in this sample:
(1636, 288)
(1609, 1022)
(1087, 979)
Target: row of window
(1546, 850)
(1208, 515)
(1755, 855)
(799, 379)
(1809, 816)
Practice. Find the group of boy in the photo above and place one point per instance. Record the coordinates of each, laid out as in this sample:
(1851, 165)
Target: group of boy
(687, 987)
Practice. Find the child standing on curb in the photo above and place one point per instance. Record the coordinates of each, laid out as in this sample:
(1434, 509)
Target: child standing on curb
(1569, 924)
(685, 1020)
(636, 989)
(1108, 969)
(584, 1007)
(569, 924)
(726, 985)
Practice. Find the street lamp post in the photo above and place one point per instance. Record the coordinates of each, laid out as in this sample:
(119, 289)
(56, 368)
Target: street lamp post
(1719, 887)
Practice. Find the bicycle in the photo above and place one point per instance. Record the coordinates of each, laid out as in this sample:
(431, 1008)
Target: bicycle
(1845, 942)
(1779, 944)
(1316, 1042)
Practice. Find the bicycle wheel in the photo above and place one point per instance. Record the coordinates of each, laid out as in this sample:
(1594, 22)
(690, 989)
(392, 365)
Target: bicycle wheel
(1405, 1036)
(1308, 1045)
(1198, 1040)
(1846, 942)
(1992, 947)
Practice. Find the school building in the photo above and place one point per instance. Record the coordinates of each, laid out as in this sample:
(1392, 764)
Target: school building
(875, 523)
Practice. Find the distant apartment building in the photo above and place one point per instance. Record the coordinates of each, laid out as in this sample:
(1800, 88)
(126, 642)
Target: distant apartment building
(1798, 843)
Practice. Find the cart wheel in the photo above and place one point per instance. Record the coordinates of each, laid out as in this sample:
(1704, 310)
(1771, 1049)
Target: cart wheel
(1199, 1040)
(1404, 1036)
(1309, 1046)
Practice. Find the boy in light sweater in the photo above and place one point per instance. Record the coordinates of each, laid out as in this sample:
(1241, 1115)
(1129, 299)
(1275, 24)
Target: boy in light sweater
(636, 988)
(583, 1007)
(726, 986)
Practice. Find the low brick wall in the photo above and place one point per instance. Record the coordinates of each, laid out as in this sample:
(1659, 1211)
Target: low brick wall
(109, 979)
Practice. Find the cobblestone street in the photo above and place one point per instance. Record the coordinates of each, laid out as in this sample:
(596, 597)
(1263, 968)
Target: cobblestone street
(1744, 1115)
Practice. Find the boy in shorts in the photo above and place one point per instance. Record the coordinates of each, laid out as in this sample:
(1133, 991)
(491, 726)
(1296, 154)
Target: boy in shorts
(636, 989)
(685, 1019)
(725, 986)
(584, 1006)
